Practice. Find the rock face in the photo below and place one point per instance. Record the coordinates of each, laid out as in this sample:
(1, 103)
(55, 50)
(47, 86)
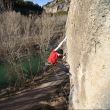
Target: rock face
(56, 6)
(88, 43)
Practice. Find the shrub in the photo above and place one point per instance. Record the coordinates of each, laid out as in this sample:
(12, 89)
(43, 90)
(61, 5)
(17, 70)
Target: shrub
(23, 36)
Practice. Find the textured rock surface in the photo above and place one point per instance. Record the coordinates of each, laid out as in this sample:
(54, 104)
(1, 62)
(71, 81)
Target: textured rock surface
(57, 6)
(88, 43)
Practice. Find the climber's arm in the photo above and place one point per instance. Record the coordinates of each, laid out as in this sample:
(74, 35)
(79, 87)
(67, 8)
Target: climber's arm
(60, 44)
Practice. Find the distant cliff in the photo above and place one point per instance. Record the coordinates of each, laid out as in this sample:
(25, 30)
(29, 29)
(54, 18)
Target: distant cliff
(57, 6)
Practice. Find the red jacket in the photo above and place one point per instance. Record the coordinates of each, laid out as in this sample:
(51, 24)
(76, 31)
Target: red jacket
(53, 57)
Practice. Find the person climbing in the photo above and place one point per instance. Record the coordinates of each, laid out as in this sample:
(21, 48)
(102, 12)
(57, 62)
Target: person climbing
(54, 56)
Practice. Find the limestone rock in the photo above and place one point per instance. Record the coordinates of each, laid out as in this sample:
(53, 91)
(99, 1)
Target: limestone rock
(88, 43)
(56, 6)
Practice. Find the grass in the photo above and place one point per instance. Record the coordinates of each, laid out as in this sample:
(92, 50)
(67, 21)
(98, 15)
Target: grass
(35, 62)
(34, 65)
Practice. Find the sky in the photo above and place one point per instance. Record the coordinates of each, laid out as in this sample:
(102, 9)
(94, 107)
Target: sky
(40, 2)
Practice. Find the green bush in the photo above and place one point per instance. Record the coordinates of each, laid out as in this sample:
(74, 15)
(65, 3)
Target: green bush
(27, 7)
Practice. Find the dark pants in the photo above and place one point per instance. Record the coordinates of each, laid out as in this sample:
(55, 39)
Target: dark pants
(61, 66)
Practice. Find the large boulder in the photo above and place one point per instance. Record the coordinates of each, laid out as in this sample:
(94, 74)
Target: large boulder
(88, 43)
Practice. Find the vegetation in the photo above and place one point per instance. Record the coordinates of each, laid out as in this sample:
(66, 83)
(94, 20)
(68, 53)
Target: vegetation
(61, 13)
(27, 7)
(24, 41)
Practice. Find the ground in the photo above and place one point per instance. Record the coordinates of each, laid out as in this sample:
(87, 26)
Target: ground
(49, 91)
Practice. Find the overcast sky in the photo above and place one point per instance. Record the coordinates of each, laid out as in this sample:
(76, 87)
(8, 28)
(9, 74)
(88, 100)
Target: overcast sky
(40, 2)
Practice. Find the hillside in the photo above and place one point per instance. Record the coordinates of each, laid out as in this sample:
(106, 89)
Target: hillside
(49, 91)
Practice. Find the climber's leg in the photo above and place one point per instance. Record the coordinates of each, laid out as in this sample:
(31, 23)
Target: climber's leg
(46, 66)
(63, 67)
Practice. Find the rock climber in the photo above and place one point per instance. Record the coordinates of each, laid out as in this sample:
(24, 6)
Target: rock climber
(55, 55)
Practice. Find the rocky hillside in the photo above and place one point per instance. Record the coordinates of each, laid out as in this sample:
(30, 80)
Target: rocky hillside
(57, 6)
(88, 43)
